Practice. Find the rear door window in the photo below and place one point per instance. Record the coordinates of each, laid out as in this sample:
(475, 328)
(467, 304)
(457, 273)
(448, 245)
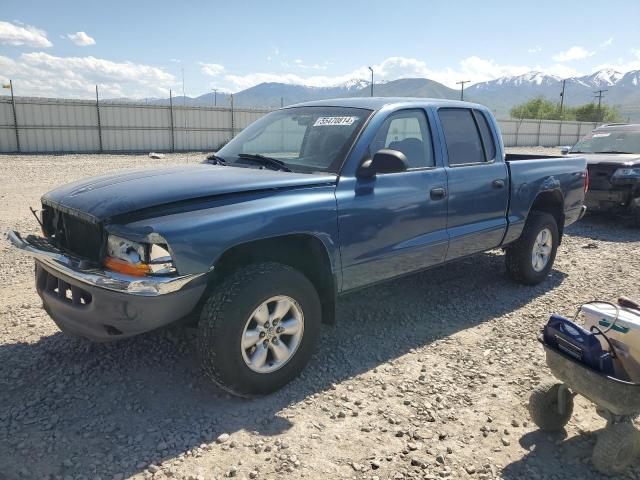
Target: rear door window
(462, 138)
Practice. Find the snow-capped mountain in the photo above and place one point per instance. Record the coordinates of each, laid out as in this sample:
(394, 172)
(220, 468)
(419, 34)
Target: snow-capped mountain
(526, 79)
(630, 79)
(353, 84)
(504, 92)
(499, 94)
(602, 78)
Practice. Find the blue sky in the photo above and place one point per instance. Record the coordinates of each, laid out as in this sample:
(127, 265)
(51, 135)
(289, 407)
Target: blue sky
(139, 48)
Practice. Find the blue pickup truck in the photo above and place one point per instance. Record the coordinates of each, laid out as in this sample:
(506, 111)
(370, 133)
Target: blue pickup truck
(307, 203)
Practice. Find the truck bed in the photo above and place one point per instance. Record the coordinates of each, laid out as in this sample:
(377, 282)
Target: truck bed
(514, 157)
(532, 174)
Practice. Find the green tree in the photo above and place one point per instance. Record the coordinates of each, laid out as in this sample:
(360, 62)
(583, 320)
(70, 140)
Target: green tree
(541, 108)
(538, 107)
(589, 113)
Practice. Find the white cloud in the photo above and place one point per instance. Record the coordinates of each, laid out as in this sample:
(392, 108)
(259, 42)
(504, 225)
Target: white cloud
(607, 43)
(535, 49)
(81, 39)
(300, 64)
(621, 65)
(23, 35)
(574, 53)
(472, 68)
(212, 69)
(41, 74)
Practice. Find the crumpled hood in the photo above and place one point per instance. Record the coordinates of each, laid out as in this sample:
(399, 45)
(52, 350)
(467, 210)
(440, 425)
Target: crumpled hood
(100, 198)
(622, 159)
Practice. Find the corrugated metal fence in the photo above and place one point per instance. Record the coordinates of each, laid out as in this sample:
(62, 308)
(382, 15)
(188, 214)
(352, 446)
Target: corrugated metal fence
(53, 125)
(61, 125)
(544, 133)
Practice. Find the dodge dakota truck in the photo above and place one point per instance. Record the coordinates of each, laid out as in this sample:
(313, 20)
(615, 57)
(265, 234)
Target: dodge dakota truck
(305, 204)
(613, 160)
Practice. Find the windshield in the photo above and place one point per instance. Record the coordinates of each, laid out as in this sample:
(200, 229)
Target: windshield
(612, 141)
(302, 139)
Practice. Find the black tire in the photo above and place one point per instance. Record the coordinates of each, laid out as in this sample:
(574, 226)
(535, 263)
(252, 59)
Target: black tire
(518, 259)
(225, 315)
(543, 407)
(616, 449)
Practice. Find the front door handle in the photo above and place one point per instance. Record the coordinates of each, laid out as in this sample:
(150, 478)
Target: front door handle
(499, 183)
(438, 193)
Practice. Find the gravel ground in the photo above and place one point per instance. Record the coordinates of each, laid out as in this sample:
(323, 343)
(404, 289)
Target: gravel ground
(423, 377)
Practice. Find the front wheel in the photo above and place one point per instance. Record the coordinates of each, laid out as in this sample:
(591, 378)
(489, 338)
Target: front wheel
(545, 408)
(530, 259)
(258, 329)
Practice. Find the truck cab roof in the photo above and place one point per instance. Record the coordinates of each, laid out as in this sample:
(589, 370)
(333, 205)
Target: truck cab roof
(376, 103)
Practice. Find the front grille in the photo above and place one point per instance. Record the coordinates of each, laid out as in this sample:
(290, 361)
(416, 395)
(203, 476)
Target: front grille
(73, 234)
(64, 291)
(600, 176)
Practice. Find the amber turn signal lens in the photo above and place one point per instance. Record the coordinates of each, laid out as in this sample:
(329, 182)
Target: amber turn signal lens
(133, 269)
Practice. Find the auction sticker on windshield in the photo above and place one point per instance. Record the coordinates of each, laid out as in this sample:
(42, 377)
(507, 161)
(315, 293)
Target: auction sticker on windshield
(330, 121)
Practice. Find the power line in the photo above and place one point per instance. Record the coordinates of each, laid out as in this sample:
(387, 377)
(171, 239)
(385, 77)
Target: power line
(599, 94)
(461, 83)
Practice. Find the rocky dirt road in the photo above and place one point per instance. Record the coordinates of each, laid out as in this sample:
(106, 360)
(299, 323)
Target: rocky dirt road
(423, 377)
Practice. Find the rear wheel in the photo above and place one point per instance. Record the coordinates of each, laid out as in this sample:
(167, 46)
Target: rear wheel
(616, 448)
(258, 329)
(530, 259)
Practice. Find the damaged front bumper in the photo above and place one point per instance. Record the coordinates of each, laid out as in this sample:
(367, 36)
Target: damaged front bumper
(102, 305)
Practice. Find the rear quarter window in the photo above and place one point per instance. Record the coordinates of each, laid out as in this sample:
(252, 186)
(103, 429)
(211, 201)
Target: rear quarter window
(486, 134)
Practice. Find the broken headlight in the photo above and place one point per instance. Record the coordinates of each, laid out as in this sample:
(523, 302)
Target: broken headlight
(137, 258)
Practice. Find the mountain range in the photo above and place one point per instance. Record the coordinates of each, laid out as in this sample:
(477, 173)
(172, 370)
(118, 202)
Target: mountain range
(501, 94)
(623, 90)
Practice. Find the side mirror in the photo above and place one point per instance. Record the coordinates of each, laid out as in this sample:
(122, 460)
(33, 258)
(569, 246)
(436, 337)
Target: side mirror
(565, 150)
(384, 161)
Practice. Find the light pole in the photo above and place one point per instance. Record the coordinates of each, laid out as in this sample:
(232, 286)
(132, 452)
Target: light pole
(371, 69)
(215, 96)
(461, 83)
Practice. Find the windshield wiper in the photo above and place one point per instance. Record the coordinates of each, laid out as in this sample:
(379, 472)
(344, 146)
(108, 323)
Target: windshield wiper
(266, 161)
(214, 159)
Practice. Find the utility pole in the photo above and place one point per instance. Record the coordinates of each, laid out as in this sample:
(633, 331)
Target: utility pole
(599, 94)
(371, 69)
(215, 96)
(461, 83)
(281, 102)
(15, 116)
(562, 98)
(99, 124)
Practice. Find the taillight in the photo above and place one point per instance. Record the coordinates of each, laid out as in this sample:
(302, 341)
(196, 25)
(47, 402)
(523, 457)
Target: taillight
(586, 180)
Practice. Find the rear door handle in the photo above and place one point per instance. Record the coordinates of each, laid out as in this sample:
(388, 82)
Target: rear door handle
(438, 193)
(499, 183)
